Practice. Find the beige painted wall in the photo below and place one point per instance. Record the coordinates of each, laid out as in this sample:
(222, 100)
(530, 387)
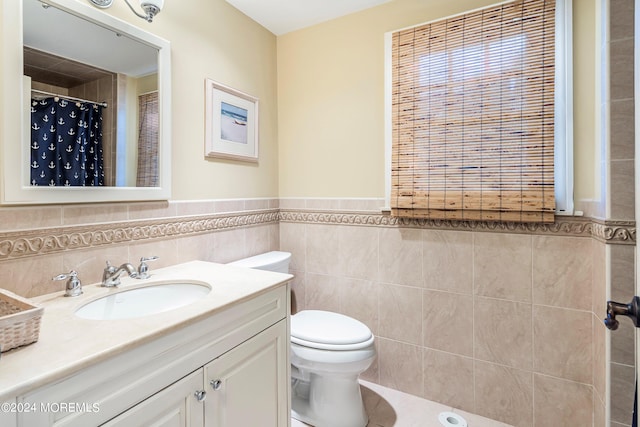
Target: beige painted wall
(321, 97)
(211, 39)
(331, 99)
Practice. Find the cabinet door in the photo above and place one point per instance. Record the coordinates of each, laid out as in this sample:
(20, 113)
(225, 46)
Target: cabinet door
(248, 385)
(176, 406)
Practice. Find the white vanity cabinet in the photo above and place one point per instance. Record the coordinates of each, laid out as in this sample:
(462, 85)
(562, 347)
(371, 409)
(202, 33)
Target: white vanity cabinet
(243, 351)
(244, 389)
(175, 406)
(8, 413)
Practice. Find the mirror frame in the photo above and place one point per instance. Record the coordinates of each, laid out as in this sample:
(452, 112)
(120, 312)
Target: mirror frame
(15, 123)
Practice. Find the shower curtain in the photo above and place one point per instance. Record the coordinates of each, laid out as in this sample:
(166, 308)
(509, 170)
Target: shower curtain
(66, 143)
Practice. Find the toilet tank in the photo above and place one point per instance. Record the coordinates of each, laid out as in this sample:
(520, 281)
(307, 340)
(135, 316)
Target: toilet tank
(271, 261)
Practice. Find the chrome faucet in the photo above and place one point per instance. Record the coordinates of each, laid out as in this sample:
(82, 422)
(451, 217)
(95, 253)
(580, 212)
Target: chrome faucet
(111, 274)
(74, 287)
(143, 268)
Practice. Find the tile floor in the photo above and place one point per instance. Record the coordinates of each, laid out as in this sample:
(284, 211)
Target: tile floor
(392, 408)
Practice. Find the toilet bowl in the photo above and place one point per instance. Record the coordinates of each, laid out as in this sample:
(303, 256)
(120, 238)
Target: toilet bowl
(328, 353)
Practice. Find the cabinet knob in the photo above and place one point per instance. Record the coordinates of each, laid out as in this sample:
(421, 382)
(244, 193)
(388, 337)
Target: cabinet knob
(216, 384)
(200, 395)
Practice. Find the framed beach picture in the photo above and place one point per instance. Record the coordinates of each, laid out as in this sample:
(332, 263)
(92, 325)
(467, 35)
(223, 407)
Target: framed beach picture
(231, 123)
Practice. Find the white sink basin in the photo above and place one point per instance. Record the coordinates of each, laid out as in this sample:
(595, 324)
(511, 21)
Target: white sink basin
(143, 301)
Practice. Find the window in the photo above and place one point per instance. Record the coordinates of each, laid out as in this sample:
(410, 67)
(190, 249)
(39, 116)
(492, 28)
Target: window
(478, 107)
(147, 172)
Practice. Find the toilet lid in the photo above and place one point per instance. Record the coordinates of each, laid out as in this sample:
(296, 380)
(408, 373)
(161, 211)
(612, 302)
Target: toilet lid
(325, 327)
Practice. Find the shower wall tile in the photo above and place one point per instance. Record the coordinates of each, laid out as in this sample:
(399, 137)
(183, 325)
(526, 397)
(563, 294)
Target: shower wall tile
(576, 398)
(323, 204)
(563, 343)
(322, 292)
(447, 322)
(234, 205)
(400, 311)
(257, 240)
(621, 13)
(622, 129)
(622, 290)
(503, 332)
(358, 252)
(446, 261)
(255, 204)
(599, 412)
(492, 334)
(504, 394)
(14, 218)
(622, 392)
(147, 210)
(599, 280)
(359, 299)
(293, 203)
(293, 239)
(96, 213)
(599, 357)
(622, 189)
(400, 256)
(400, 366)
(621, 75)
(562, 271)
(448, 379)
(502, 266)
(31, 277)
(622, 272)
(194, 207)
(322, 249)
(373, 205)
(228, 245)
(196, 247)
(165, 250)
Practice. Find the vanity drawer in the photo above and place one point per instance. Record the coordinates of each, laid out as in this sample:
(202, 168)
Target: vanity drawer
(101, 391)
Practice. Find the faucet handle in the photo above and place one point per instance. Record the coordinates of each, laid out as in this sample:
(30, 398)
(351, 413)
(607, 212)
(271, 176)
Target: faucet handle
(109, 268)
(74, 287)
(143, 269)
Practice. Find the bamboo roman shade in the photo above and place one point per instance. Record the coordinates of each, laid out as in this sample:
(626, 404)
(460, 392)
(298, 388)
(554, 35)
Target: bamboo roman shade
(148, 142)
(473, 116)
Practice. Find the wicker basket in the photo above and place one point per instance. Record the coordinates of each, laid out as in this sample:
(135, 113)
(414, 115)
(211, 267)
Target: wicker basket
(19, 321)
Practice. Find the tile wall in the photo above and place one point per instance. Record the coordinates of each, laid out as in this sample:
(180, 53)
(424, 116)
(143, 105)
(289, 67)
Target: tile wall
(37, 243)
(496, 323)
(620, 199)
(504, 322)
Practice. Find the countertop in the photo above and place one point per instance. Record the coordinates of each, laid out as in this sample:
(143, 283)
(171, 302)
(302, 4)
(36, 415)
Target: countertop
(68, 343)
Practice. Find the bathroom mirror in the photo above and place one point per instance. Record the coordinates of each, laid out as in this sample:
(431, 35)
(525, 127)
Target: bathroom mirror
(73, 52)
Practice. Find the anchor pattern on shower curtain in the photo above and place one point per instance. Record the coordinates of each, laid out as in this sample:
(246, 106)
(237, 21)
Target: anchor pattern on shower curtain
(66, 143)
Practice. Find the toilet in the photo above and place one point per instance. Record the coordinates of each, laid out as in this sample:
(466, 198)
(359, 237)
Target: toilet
(328, 353)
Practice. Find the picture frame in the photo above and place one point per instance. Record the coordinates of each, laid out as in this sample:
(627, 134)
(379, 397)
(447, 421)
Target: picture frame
(231, 130)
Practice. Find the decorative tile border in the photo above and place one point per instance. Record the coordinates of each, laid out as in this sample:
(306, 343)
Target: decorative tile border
(19, 244)
(51, 240)
(613, 232)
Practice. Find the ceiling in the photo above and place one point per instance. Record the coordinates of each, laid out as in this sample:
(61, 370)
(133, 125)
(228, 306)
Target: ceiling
(283, 16)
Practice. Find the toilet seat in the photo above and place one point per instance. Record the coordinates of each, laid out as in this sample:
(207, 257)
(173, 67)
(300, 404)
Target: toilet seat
(326, 330)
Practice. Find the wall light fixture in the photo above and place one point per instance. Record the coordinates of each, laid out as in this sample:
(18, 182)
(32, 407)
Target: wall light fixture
(150, 7)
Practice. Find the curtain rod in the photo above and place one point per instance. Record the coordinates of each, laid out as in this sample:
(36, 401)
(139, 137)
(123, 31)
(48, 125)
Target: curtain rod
(70, 98)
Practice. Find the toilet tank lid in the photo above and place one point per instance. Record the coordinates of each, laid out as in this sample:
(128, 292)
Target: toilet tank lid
(266, 259)
(327, 327)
